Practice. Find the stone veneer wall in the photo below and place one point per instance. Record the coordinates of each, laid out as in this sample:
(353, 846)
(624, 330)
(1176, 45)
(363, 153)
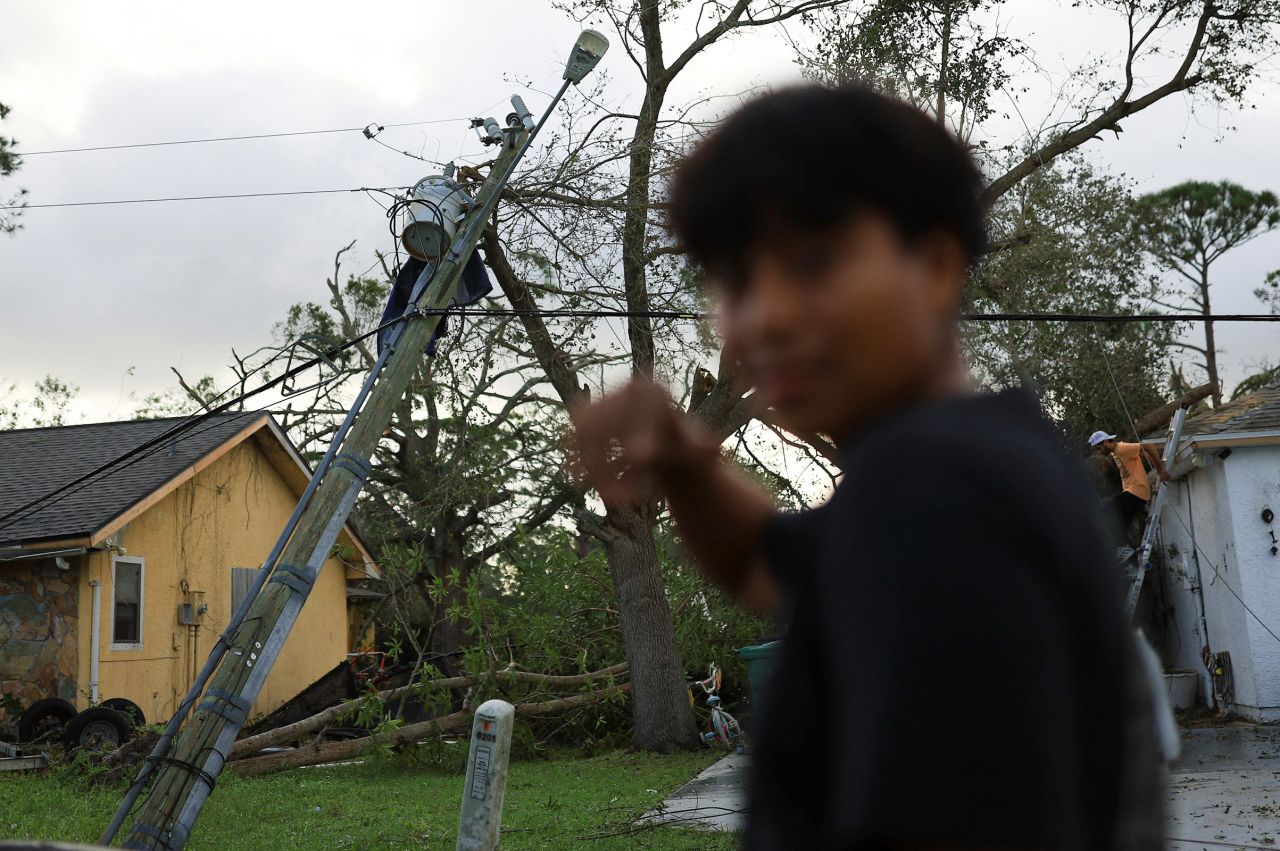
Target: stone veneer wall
(38, 606)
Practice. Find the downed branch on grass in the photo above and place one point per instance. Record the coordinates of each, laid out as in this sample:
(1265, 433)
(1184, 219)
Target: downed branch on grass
(322, 752)
(299, 729)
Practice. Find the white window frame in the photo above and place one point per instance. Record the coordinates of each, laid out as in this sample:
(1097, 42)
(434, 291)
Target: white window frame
(142, 601)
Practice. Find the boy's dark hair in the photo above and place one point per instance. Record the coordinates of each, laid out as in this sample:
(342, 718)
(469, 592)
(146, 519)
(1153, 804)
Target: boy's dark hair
(810, 158)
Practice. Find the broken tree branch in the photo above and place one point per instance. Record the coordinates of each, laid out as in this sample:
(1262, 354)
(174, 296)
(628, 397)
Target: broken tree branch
(322, 752)
(298, 729)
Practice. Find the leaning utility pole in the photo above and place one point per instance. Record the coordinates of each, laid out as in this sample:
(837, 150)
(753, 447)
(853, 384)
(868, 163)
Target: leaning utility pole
(186, 768)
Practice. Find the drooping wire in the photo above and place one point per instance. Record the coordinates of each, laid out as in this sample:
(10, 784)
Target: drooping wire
(1218, 575)
(175, 432)
(1191, 536)
(8, 519)
(1106, 360)
(373, 137)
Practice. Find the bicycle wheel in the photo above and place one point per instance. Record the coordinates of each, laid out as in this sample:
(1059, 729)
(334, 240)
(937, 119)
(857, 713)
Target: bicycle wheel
(721, 727)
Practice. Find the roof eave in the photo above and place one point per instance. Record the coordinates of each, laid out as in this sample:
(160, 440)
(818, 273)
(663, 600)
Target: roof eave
(132, 512)
(1228, 438)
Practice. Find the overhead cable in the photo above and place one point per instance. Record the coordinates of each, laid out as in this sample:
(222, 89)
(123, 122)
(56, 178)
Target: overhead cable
(379, 127)
(199, 197)
(172, 434)
(1122, 318)
(177, 430)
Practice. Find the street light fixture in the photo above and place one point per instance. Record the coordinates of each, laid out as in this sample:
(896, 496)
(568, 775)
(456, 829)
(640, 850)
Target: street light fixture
(437, 204)
(585, 55)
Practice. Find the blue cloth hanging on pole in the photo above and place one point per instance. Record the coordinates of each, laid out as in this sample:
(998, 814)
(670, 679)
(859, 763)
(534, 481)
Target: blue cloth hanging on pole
(474, 285)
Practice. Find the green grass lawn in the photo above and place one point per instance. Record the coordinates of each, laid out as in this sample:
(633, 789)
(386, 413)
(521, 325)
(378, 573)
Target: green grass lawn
(559, 803)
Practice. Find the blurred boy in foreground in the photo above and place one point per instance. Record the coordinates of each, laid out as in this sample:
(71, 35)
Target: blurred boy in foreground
(956, 671)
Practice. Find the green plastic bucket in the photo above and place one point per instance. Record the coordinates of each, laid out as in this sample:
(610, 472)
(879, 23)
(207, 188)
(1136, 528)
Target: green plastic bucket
(759, 661)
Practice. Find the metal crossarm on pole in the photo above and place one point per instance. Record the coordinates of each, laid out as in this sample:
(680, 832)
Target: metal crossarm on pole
(1153, 515)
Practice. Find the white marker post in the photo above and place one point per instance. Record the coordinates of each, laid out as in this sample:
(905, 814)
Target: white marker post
(486, 776)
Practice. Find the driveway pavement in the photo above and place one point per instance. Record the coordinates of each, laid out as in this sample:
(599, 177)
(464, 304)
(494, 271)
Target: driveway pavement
(1224, 792)
(1225, 789)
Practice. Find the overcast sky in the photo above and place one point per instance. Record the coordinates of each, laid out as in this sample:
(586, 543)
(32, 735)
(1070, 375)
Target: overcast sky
(108, 298)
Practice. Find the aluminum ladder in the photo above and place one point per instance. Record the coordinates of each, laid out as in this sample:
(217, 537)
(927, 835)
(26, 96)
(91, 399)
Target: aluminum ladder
(1154, 509)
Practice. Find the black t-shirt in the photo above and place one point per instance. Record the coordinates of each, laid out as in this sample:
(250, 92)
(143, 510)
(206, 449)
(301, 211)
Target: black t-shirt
(952, 670)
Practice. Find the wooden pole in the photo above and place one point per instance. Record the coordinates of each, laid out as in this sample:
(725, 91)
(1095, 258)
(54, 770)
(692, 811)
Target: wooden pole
(186, 776)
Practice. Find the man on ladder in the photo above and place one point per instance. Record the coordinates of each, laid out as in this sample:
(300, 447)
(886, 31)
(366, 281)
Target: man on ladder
(1135, 484)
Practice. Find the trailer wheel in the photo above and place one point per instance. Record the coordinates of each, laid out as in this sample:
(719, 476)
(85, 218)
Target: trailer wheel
(127, 708)
(98, 729)
(44, 716)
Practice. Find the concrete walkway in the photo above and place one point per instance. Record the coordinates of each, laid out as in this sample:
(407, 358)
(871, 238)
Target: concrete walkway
(714, 800)
(1224, 790)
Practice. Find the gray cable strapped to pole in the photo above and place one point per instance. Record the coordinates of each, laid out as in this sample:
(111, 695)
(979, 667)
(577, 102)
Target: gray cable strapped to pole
(186, 770)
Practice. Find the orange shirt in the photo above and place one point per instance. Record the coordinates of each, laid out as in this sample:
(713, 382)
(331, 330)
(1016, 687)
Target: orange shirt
(1133, 475)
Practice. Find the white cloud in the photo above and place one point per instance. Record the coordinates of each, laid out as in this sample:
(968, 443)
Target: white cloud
(89, 292)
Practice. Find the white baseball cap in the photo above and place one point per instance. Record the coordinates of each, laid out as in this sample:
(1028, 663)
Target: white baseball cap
(1099, 436)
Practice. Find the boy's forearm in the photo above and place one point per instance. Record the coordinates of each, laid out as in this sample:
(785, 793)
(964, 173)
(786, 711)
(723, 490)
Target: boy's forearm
(722, 517)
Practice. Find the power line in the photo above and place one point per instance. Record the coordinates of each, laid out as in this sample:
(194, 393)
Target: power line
(198, 198)
(176, 432)
(554, 313)
(1123, 317)
(1106, 359)
(380, 128)
(1218, 574)
(1177, 514)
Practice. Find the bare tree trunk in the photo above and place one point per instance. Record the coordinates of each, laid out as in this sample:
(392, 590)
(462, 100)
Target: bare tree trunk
(660, 701)
(942, 68)
(1210, 351)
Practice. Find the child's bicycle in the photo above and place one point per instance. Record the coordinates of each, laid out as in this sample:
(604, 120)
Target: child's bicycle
(723, 727)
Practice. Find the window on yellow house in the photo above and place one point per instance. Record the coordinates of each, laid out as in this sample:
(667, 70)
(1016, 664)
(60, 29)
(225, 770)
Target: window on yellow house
(126, 601)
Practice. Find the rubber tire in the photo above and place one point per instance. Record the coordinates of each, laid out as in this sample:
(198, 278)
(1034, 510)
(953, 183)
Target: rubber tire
(344, 734)
(29, 722)
(127, 708)
(97, 715)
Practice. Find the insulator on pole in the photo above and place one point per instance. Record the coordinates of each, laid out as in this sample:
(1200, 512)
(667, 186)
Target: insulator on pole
(521, 112)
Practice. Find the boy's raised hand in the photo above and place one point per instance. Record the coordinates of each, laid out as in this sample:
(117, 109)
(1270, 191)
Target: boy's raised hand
(633, 442)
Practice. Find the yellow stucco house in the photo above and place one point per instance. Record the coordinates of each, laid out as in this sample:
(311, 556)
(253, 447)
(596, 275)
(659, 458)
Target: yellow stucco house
(113, 589)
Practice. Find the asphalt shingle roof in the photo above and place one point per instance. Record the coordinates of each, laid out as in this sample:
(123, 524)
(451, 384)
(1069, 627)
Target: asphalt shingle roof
(1258, 411)
(39, 461)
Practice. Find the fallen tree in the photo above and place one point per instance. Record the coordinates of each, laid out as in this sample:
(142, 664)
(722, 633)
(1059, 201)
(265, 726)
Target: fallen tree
(1160, 417)
(315, 723)
(322, 752)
